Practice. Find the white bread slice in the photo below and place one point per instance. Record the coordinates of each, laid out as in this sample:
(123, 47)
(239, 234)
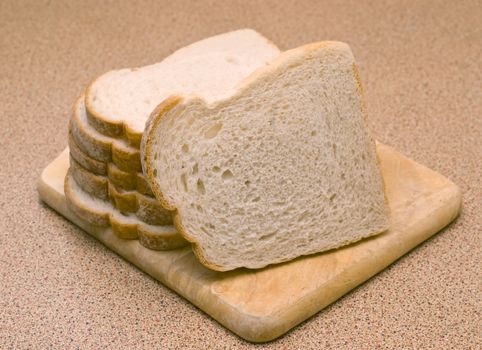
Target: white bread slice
(98, 146)
(93, 165)
(95, 185)
(124, 180)
(128, 181)
(283, 167)
(101, 213)
(119, 102)
(146, 209)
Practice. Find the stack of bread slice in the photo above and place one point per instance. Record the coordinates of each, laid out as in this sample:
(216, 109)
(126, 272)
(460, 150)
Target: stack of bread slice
(105, 184)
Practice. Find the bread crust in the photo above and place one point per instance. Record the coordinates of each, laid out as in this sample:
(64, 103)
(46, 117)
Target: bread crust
(108, 127)
(127, 158)
(147, 209)
(95, 166)
(126, 181)
(287, 59)
(373, 144)
(95, 185)
(168, 241)
(85, 212)
(157, 237)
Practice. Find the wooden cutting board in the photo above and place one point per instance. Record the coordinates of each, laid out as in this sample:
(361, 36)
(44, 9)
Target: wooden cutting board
(260, 305)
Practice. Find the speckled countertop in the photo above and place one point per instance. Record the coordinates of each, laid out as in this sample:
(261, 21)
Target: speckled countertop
(421, 65)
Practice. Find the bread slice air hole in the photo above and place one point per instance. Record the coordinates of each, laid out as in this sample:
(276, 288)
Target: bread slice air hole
(216, 169)
(232, 60)
(185, 148)
(155, 172)
(184, 182)
(303, 215)
(213, 131)
(227, 175)
(195, 169)
(200, 186)
(267, 236)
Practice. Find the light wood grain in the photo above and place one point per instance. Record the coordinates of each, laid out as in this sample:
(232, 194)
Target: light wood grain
(260, 305)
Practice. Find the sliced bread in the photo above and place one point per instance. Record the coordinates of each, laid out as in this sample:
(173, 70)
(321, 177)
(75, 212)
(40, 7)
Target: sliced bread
(126, 181)
(95, 185)
(119, 102)
(146, 209)
(101, 213)
(98, 146)
(93, 165)
(283, 167)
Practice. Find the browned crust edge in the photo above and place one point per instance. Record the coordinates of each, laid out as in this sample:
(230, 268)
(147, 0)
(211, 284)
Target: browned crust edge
(126, 159)
(170, 241)
(93, 165)
(147, 209)
(101, 124)
(364, 110)
(124, 180)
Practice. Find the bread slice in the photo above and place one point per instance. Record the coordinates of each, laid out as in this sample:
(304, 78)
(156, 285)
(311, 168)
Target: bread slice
(146, 209)
(98, 146)
(123, 180)
(119, 102)
(93, 165)
(128, 181)
(101, 213)
(95, 185)
(283, 167)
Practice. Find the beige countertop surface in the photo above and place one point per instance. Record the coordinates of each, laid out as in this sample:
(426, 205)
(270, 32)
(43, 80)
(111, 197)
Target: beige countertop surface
(421, 66)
